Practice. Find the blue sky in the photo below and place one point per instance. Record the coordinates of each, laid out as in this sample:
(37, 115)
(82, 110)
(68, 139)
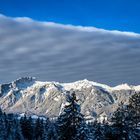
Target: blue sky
(121, 15)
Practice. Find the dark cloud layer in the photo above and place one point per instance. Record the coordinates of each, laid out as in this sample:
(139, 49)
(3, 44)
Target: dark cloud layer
(65, 53)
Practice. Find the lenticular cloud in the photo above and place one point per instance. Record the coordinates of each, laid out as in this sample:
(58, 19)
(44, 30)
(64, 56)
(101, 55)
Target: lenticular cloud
(51, 51)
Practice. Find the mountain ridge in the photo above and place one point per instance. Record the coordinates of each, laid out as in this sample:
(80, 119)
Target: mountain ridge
(28, 95)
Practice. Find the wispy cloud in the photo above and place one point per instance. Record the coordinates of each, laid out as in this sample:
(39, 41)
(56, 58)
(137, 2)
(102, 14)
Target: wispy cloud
(51, 51)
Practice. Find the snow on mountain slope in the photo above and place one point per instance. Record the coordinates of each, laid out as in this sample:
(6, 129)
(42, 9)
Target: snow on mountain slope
(26, 95)
(122, 87)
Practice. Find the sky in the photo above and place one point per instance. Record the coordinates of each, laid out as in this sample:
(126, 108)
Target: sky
(107, 14)
(67, 41)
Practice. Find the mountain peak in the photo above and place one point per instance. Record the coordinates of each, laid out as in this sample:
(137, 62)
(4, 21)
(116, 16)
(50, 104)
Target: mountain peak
(122, 87)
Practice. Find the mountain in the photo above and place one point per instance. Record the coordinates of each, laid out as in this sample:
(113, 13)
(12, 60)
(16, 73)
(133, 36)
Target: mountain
(27, 95)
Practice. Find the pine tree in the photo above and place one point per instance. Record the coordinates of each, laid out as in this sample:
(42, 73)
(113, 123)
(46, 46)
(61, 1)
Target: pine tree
(10, 123)
(121, 122)
(98, 131)
(42, 130)
(134, 106)
(37, 129)
(9, 127)
(2, 126)
(52, 133)
(134, 109)
(1, 113)
(45, 129)
(71, 123)
(18, 134)
(26, 127)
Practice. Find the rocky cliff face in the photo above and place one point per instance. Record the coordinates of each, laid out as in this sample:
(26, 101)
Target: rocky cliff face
(26, 95)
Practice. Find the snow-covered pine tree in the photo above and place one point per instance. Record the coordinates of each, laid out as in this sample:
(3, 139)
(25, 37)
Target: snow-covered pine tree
(134, 106)
(52, 132)
(18, 134)
(10, 126)
(134, 117)
(2, 126)
(38, 128)
(26, 127)
(98, 131)
(71, 123)
(41, 129)
(120, 120)
(46, 126)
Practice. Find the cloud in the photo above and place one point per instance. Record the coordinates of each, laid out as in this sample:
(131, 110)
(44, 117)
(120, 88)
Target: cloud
(51, 51)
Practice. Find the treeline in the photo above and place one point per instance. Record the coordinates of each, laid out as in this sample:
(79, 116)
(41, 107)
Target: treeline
(71, 125)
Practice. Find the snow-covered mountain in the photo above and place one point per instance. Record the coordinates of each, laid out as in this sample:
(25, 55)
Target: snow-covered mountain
(27, 95)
